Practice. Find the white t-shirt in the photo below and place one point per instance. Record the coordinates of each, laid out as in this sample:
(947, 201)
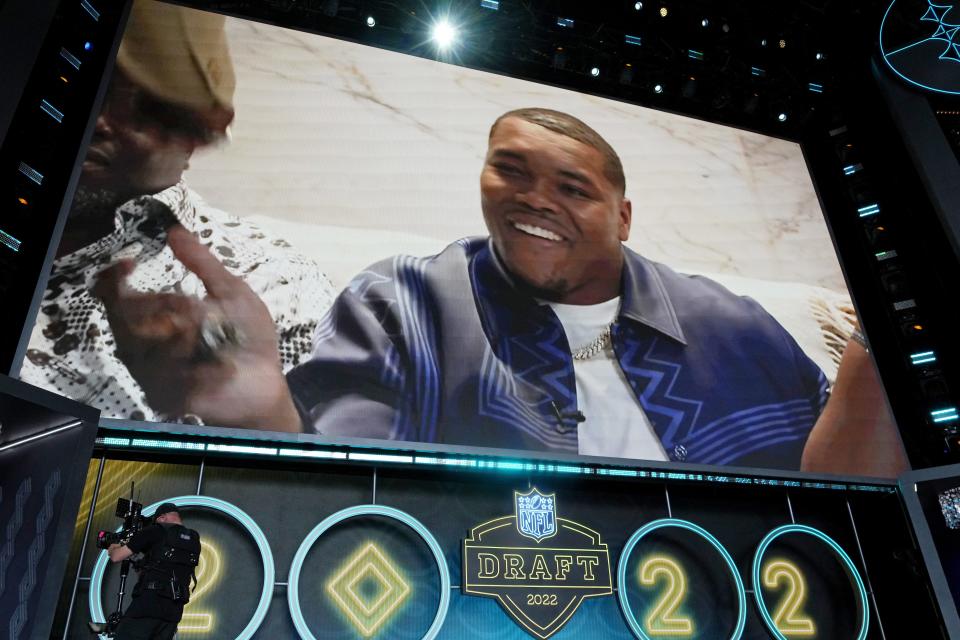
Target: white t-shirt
(616, 425)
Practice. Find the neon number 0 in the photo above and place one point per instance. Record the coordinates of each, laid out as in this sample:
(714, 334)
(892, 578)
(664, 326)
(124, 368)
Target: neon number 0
(787, 618)
(208, 574)
(662, 618)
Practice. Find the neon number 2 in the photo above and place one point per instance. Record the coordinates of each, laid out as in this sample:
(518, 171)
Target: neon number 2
(663, 619)
(788, 618)
(208, 573)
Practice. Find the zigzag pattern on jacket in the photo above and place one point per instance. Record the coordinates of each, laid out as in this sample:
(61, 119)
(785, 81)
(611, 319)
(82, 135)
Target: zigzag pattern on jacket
(656, 397)
(523, 370)
(725, 439)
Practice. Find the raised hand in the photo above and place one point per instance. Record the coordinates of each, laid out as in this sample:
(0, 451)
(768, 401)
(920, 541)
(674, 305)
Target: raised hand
(158, 337)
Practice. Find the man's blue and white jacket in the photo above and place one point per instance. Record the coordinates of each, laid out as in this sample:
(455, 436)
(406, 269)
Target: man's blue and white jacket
(446, 349)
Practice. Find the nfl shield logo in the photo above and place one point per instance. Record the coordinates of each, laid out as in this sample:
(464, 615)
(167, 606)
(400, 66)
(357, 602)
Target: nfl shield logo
(536, 514)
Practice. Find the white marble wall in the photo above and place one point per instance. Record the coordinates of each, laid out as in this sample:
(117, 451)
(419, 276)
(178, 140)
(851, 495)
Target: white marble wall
(369, 142)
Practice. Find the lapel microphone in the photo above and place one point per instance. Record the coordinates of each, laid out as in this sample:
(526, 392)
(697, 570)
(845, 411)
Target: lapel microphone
(563, 418)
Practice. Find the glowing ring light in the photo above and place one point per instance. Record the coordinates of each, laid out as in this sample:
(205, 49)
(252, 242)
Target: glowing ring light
(844, 559)
(632, 622)
(293, 582)
(266, 593)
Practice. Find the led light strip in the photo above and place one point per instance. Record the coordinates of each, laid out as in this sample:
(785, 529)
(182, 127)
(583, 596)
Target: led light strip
(923, 357)
(69, 57)
(94, 597)
(31, 173)
(845, 560)
(9, 240)
(38, 436)
(945, 415)
(293, 581)
(484, 463)
(90, 9)
(51, 110)
(666, 523)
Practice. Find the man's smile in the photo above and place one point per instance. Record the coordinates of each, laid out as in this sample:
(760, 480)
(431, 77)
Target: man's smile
(537, 231)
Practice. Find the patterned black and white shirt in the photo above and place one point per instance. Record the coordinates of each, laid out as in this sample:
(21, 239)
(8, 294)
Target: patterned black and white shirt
(71, 350)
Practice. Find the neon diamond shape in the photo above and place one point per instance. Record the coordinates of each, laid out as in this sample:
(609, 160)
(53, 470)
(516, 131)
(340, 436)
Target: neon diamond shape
(368, 614)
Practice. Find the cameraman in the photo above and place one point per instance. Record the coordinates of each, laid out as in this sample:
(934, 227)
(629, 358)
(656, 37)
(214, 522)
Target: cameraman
(170, 554)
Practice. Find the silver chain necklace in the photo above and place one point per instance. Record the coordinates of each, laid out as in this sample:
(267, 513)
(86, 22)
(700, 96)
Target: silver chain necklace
(599, 343)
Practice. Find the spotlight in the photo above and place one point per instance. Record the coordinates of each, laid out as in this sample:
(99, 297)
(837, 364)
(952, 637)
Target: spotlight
(763, 42)
(705, 23)
(819, 56)
(782, 44)
(444, 34)
(782, 117)
(595, 71)
(658, 88)
(663, 12)
(638, 6)
(371, 22)
(725, 28)
(87, 46)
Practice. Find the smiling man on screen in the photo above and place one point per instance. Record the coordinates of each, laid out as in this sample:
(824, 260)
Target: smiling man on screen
(548, 335)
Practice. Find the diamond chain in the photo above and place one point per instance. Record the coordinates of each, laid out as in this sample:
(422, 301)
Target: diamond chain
(599, 343)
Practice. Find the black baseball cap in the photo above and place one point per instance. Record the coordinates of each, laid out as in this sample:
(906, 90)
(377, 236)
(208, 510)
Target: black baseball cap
(166, 507)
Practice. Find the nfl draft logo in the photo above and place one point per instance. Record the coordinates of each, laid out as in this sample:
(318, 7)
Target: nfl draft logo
(536, 514)
(540, 584)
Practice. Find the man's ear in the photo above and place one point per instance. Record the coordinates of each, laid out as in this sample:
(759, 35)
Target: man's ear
(626, 217)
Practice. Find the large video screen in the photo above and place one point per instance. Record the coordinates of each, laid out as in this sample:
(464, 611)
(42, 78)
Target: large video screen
(283, 231)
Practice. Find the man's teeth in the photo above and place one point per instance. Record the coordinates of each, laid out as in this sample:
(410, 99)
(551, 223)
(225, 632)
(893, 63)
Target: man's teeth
(537, 231)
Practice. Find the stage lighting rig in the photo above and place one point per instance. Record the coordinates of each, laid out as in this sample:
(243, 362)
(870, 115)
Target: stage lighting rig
(40, 146)
(917, 346)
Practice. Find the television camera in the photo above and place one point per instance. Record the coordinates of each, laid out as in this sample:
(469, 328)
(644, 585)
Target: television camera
(133, 521)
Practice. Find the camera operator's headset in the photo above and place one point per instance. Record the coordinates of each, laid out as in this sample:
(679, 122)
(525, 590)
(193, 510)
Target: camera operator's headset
(181, 546)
